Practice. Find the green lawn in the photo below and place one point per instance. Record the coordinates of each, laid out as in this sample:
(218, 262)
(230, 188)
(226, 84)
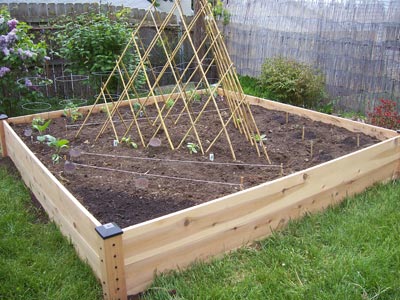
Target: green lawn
(36, 261)
(351, 251)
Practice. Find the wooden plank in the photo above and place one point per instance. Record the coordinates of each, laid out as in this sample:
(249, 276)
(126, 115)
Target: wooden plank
(196, 233)
(112, 262)
(378, 132)
(73, 219)
(3, 138)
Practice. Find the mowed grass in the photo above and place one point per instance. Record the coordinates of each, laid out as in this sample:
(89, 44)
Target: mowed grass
(351, 251)
(36, 261)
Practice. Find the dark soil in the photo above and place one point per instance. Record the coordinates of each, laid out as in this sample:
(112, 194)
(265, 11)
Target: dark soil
(118, 193)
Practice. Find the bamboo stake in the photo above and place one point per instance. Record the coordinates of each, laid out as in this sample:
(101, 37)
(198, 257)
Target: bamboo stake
(311, 149)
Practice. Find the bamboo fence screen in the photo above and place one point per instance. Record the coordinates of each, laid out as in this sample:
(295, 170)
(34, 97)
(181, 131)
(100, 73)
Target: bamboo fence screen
(355, 43)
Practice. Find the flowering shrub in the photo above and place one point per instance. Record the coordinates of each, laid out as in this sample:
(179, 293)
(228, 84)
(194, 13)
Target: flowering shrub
(385, 115)
(20, 57)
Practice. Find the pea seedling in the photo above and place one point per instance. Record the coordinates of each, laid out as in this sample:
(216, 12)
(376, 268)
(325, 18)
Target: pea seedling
(40, 124)
(193, 148)
(129, 142)
(72, 111)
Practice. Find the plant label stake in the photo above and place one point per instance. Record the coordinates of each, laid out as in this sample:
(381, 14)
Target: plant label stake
(241, 183)
(287, 118)
(358, 141)
(115, 143)
(211, 156)
(302, 134)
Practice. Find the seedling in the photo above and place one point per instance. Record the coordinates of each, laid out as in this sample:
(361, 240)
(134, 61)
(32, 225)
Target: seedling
(260, 138)
(72, 111)
(136, 106)
(193, 148)
(129, 142)
(106, 108)
(40, 124)
(57, 144)
(169, 103)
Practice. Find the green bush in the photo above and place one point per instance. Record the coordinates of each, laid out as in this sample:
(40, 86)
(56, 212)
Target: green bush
(251, 86)
(93, 43)
(292, 82)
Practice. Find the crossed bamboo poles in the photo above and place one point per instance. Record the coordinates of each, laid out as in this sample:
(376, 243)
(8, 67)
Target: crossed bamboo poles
(240, 113)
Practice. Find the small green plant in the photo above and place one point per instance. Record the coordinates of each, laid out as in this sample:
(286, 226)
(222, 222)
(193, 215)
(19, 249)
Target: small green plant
(219, 11)
(193, 147)
(40, 124)
(106, 108)
(194, 96)
(169, 103)
(292, 82)
(57, 144)
(129, 142)
(259, 138)
(72, 111)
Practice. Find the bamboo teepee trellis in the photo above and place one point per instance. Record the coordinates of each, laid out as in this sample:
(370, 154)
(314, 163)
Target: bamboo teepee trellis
(189, 80)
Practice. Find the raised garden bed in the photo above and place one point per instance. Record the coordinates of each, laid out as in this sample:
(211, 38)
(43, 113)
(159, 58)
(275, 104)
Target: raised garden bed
(311, 169)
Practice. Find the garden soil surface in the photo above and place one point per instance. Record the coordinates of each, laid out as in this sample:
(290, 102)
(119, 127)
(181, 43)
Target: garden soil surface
(127, 186)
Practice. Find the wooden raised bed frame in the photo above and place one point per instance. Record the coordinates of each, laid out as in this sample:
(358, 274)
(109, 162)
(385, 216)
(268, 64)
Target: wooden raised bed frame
(126, 260)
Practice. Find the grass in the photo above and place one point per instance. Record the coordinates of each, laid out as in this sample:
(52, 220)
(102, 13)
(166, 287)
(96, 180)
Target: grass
(36, 261)
(351, 251)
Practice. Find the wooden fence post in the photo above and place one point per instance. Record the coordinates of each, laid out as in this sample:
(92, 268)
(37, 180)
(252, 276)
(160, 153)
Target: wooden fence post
(3, 119)
(112, 262)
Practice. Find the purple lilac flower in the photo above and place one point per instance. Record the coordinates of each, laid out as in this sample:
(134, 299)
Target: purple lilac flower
(6, 51)
(28, 83)
(12, 24)
(28, 53)
(3, 71)
(12, 36)
(3, 41)
(1, 20)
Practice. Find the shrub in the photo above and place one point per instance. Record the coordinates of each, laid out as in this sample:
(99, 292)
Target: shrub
(20, 57)
(251, 86)
(93, 43)
(385, 115)
(292, 82)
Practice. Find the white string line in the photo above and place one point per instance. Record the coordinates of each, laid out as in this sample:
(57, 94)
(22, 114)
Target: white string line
(157, 175)
(141, 119)
(181, 161)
